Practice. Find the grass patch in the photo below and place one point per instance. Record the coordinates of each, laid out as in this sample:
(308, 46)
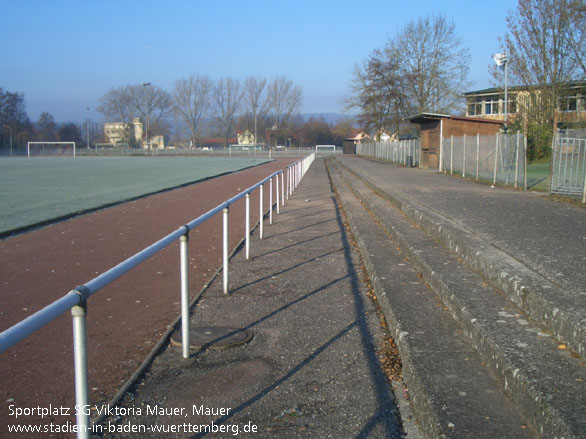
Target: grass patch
(36, 191)
(538, 175)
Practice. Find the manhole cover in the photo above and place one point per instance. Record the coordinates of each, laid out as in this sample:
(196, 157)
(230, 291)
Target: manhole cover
(213, 337)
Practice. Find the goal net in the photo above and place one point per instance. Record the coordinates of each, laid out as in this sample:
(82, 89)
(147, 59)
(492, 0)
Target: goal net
(325, 149)
(50, 149)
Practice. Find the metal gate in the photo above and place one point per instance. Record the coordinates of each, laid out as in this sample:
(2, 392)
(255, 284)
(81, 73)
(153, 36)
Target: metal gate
(568, 173)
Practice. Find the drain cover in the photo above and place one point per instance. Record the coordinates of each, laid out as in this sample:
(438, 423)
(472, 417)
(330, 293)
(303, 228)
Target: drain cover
(213, 337)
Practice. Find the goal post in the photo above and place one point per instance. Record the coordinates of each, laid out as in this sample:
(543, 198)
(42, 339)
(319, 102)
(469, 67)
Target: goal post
(331, 149)
(50, 149)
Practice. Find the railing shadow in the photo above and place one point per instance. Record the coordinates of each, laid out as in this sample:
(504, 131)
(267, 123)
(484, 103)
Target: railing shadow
(293, 267)
(280, 249)
(386, 415)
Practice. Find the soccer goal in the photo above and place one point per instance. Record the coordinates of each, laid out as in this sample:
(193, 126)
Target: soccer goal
(44, 149)
(328, 149)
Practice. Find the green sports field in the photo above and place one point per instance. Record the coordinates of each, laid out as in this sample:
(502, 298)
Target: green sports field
(34, 191)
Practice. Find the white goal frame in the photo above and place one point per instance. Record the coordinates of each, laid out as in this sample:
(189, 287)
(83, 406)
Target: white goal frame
(318, 147)
(28, 151)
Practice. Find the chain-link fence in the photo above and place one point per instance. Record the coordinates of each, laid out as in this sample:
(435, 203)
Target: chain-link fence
(498, 158)
(404, 152)
(568, 167)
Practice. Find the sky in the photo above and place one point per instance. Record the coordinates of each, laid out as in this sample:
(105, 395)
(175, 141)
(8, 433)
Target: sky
(65, 54)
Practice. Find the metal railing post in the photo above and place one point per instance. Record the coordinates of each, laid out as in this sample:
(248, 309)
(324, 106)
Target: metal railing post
(288, 181)
(225, 248)
(277, 188)
(261, 213)
(78, 313)
(477, 155)
(452, 155)
(496, 153)
(464, 159)
(184, 261)
(517, 160)
(282, 188)
(247, 227)
(271, 200)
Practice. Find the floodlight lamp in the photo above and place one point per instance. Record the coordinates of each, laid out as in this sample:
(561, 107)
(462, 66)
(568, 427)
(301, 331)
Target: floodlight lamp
(500, 58)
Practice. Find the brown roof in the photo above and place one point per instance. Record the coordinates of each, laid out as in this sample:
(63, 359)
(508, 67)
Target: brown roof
(216, 141)
(422, 117)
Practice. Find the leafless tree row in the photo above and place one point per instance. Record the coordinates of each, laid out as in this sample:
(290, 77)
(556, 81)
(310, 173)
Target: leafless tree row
(256, 103)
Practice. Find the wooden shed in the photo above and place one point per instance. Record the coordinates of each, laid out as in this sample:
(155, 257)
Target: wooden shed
(432, 127)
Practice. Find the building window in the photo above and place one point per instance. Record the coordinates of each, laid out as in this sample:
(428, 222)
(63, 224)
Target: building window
(568, 103)
(475, 109)
(491, 106)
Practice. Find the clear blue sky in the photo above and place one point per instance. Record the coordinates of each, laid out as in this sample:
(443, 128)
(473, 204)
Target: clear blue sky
(65, 54)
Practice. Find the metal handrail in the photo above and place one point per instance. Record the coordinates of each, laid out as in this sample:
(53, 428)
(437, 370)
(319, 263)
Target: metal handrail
(76, 299)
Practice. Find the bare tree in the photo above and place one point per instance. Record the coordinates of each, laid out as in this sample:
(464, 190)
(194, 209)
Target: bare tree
(46, 127)
(422, 69)
(434, 63)
(15, 125)
(192, 101)
(577, 33)
(153, 104)
(116, 105)
(545, 43)
(256, 99)
(226, 101)
(284, 99)
(376, 91)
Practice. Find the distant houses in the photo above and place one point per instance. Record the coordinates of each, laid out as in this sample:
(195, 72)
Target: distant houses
(245, 138)
(131, 134)
(119, 133)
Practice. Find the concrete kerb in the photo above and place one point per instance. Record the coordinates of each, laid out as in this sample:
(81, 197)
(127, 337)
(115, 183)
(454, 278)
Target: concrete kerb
(525, 390)
(547, 304)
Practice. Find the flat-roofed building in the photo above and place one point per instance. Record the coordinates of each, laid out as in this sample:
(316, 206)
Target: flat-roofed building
(489, 103)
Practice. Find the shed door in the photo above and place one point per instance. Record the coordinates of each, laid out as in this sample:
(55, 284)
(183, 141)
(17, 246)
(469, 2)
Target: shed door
(430, 142)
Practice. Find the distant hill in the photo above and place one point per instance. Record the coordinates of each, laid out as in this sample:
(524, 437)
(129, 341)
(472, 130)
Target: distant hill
(330, 118)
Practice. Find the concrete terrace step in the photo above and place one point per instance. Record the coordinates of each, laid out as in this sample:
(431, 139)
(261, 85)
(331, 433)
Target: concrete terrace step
(545, 383)
(551, 306)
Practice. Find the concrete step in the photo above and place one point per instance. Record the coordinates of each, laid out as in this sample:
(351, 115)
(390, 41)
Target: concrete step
(551, 306)
(544, 382)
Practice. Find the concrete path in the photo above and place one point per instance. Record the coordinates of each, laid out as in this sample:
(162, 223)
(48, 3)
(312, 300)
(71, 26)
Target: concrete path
(312, 369)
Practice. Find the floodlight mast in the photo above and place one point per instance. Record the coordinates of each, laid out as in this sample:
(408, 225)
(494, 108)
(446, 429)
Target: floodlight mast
(503, 59)
(147, 84)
